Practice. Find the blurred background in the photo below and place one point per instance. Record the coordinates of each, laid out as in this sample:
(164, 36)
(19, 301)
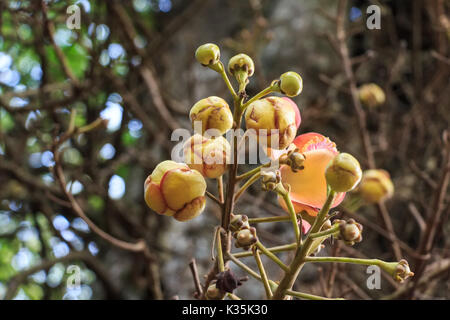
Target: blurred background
(132, 62)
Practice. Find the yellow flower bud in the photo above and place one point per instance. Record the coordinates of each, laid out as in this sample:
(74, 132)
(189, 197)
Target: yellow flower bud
(210, 157)
(213, 113)
(343, 173)
(371, 95)
(291, 84)
(208, 54)
(173, 189)
(349, 231)
(245, 238)
(400, 271)
(272, 118)
(376, 185)
(241, 62)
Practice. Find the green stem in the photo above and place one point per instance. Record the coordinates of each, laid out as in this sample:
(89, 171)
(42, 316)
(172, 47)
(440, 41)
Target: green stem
(233, 296)
(219, 250)
(308, 296)
(263, 274)
(273, 285)
(259, 95)
(292, 214)
(333, 230)
(285, 247)
(367, 262)
(252, 172)
(273, 257)
(219, 67)
(299, 260)
(246, 185)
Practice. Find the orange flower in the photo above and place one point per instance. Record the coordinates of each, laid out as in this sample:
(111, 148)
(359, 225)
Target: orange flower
(309, 186)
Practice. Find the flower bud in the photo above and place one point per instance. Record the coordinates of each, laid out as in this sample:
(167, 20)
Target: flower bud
(350, 231)
(214, 293)
(343, 173)
(270, 179)
(245, 238)
(375, 186)
(241, 62)
(291, 84)
(402, 271)
(213, 113)
(166, 191)
(208, 54)
(371, 95)
(273, 120)
(238, 222)
(210, 157)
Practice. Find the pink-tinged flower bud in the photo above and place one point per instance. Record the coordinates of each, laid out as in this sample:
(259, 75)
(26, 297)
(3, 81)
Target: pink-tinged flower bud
(343, 173)
(241, 62)
(274, 121)
(173, 189)
(208, 54)
(212, 113)
(291, 84)
(371, 95)
(210, 157)
(376, 186)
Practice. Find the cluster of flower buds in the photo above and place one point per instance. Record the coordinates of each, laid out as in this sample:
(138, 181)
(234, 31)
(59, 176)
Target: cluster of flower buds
(349, 231)
(294, 159)
(244, 234)
(343, 173)
(210, 157)
(273, 119)
(270, 179)
(375, 186)
(371, 95)
(165, 191)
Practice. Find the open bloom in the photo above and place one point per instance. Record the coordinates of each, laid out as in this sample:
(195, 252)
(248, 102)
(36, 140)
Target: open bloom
(173, 189)
(308, 186)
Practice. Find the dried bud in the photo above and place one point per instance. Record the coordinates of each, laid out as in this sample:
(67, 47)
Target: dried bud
(214, 293)
(376, 186)
(245, 238)
(227, 281)
(350, 231)
(291, 84)
(241, 62)
(343, 173)
(270, 179)
(165, 191)
(238, 222)
(371, 95)
(273, 120)
(208, 54)
(293, 159)
(213, 113)
(210, 157)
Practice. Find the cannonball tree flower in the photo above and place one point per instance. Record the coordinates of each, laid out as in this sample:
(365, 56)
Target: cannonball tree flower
(173, 189)
(308, 187)
(273, 119)
(210, 157)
